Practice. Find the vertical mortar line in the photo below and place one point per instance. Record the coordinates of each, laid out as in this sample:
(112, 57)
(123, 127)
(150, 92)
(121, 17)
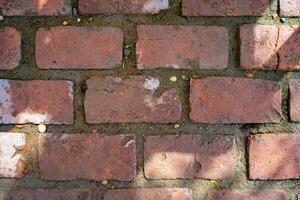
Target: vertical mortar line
(285, 99)
(79, 115)
(185, 100)
(140, 138)
(234, 48)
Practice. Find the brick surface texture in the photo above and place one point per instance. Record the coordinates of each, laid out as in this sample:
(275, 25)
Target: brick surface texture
(103, 157)
(182, 47)
(35, 7)
(289, 8)
(294, 100)
(225, 7)
(188, 157)
(122, 7)
(150, 194)
(274, 156)
(12, 160)
(270, 47)
(133, 100)
(79, 48)
(149, 99)
(10, 48)
(49, 102)
(249, 195)
(49, 194)
(235, 100)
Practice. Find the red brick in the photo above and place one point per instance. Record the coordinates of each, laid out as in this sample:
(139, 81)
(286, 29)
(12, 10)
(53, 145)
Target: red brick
(289, 8)
(134, 100)
(225, 195)
(38, 101)
(92, 157)
(258, 47)
(149, 194)
(182, 47)
(230, 100)
(274, 156)
(270, 47)
(79, 47)
(12, 160)
(189, 156)
(35, 7)
(288, 48)
(295, 100)
(122, 7)
(50, 194)
(10, 48)
(225, 7)
(250, 195)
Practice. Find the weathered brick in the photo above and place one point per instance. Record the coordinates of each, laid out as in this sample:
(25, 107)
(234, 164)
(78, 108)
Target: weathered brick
(10, 48)
(258, 47)
(12, 160)
(92, 157)
(274, 156)
(50, 194)
(235, 100)
(295, 100)
(129, 99)
(225, 7)
(189, 156)
(149, 194)
(35, 7)
(289, 8)
(183, 47)
(270, 47)
(79, 47)
(288, 48)
(38, 101)
(122, 7)
(248, 195)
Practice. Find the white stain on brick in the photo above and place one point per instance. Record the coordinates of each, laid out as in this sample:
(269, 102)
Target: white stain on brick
(129, 142)
(174, 66)
(10, 156)
(5, 103)
(151, 83)
(152, 102)
(26, 116)
(154, 6)
(71, 91)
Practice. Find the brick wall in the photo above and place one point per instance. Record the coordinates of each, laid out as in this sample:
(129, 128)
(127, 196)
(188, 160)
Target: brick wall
(149, 99)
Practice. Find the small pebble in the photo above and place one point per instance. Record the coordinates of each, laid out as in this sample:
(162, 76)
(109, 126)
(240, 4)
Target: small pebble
(283, 20)
(65, 23)
(176, 126)
(1, 18)
(20, 125)
(127, 52)
(42, 128)
(104, 182)
(249, 75)
(173, 79)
